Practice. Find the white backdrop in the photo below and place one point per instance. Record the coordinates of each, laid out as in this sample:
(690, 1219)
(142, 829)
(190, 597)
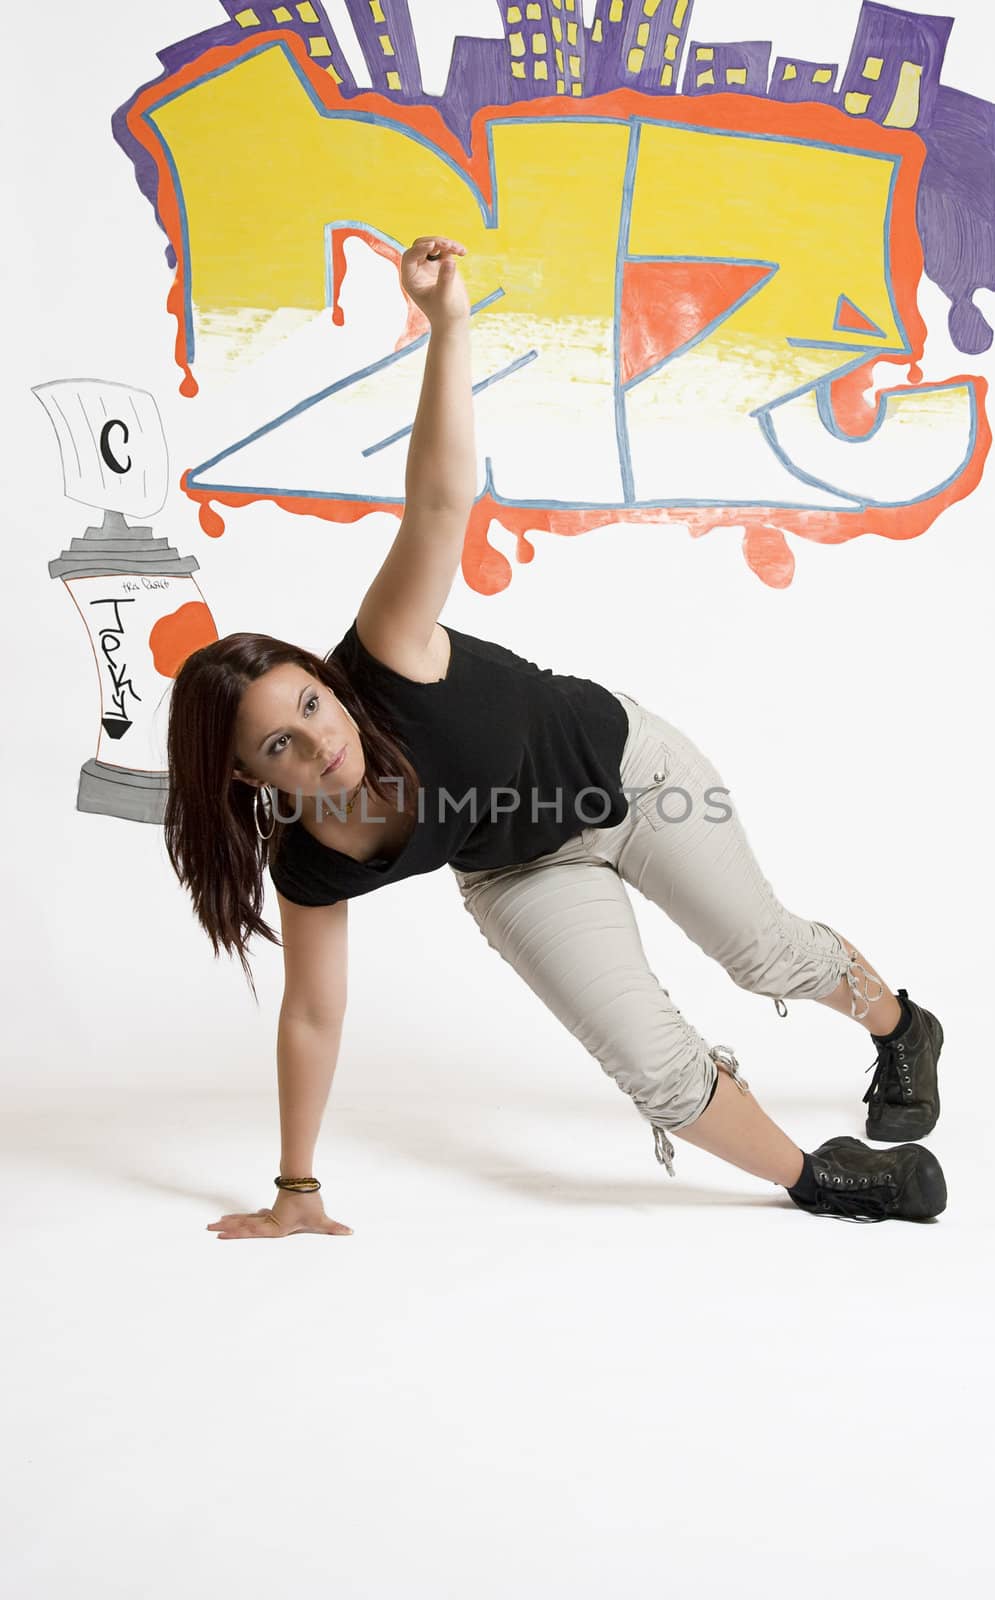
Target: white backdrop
(517, 1254)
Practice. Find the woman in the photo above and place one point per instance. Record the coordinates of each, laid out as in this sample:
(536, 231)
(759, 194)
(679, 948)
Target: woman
(411, 746)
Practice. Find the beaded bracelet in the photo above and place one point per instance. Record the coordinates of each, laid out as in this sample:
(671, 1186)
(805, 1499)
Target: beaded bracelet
(298, 1185)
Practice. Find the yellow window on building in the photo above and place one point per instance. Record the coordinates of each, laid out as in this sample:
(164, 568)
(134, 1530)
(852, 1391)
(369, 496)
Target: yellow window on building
(516, 44)
(824, 75)
(561, 87)
(540, 69)
(571, 33)
(705, 52)
(578, 88)
(376, 11)
(539, 44)
(706, 77)
(650, 7)
(790, 71)
(306, 12)
(557, 30)
(558, 55)
(670, 46)
(336, 77)
(393, 80)
(667, 76)
(634, 60)
(570, 5)
(596, 32)
(385, 44)
(680, 12)
(518, 69)
(735, 74)
(281, 14)
(318, 45)
(857, 104)
(904, 109)
(247, 19)
(575, 65)
(872, 66)
(643, 33)
(615, 14)
(514, 14)
(534, 13)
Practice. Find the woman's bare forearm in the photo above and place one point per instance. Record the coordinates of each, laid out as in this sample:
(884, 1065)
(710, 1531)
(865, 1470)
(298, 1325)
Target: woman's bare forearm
(306, 1053)
(442, 459)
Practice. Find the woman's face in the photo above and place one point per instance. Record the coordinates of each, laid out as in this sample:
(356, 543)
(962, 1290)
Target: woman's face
(289, 727)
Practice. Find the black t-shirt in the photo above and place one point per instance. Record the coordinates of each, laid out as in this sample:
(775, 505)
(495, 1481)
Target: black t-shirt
(512, 761)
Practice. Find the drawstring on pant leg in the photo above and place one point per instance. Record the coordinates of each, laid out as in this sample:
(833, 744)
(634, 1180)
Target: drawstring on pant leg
(855, 994)
(722, 1055)
(724, 1058)
(853, 967)
(663, 1149)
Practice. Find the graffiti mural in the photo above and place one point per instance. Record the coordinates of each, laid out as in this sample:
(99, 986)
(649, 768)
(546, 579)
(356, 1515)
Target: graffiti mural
(685, 265)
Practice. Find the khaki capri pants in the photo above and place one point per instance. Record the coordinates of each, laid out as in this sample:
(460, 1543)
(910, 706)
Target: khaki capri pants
(566, 924)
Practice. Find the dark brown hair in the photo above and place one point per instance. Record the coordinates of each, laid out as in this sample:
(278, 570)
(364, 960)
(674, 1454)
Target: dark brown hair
(209, 824)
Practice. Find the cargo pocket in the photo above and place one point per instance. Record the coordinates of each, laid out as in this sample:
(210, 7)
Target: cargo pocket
(664, 801)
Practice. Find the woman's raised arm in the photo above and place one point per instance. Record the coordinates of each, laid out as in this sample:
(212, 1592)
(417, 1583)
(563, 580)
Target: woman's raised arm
(397, 618)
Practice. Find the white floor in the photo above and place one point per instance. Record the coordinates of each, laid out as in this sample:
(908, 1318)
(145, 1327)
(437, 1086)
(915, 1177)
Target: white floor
(539, 1367)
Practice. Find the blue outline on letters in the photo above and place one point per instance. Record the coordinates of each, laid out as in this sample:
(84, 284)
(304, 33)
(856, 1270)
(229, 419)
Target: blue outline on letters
(490, 215)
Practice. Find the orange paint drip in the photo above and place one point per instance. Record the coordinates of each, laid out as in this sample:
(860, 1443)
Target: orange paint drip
(416, 322)
(768, 554)
(212, 523)
(338, 273)
(174, 305)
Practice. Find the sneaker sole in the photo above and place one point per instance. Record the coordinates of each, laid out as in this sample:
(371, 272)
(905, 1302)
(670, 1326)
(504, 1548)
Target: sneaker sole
(884, 1131)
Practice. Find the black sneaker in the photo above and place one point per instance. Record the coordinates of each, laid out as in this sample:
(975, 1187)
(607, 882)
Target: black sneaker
(865, 1185)
(903, 1100)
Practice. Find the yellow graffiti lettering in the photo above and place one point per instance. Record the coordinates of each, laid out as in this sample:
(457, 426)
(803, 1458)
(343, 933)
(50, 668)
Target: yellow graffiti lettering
(264, 177)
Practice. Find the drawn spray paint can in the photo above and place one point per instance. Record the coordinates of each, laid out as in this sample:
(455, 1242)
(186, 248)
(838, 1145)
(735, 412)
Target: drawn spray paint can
(143, 611)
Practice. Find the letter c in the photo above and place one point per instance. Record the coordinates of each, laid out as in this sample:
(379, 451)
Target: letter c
(105, 447)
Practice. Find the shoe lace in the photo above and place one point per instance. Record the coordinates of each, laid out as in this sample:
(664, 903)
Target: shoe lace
(857, 1205)
(891, 1068)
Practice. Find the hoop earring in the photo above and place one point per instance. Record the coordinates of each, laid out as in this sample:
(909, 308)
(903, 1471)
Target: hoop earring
(255, 812)
(348, 713)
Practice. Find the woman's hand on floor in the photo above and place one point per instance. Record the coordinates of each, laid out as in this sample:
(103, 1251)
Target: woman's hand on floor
(290, 1213)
